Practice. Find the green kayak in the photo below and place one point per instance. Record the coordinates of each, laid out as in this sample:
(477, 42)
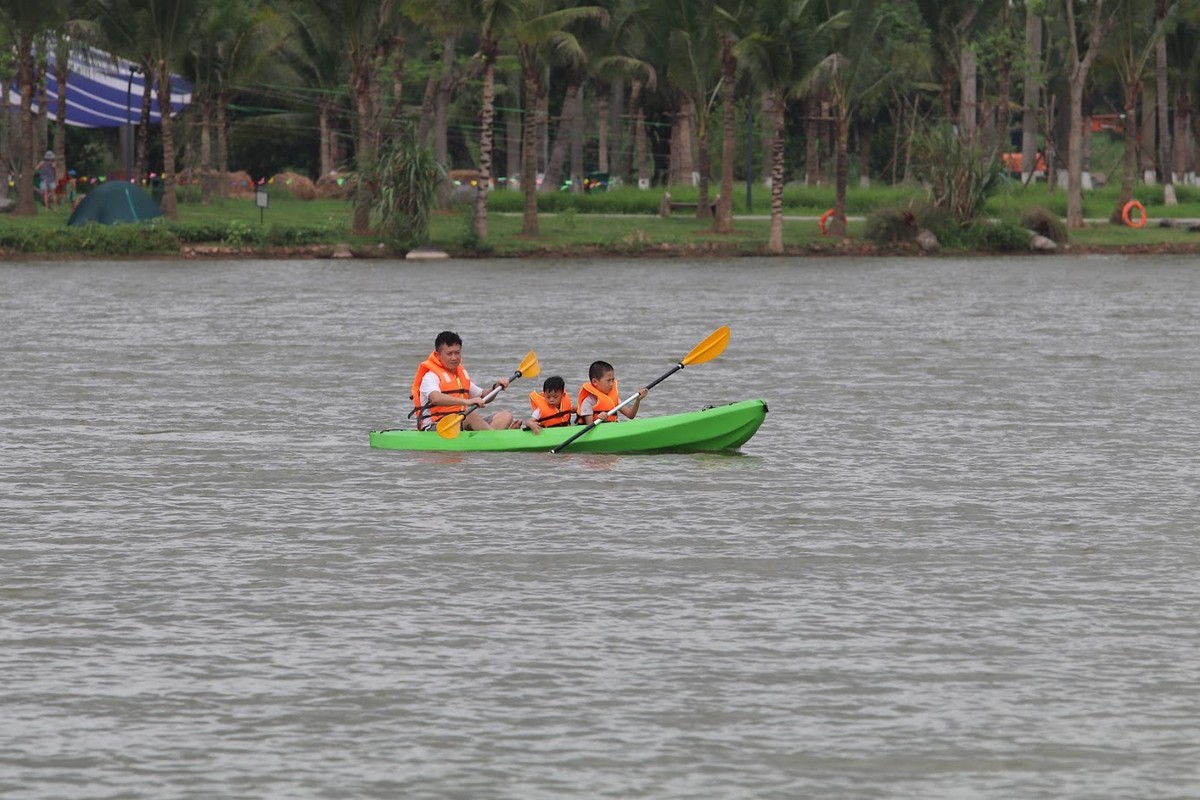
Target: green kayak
(708, 430)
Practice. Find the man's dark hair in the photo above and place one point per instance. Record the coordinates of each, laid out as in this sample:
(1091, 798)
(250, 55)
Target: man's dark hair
(598, 368)
(448, 338)
(554, 384)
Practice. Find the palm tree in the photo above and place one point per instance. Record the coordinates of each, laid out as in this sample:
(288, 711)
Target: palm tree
(497, 18)
(540, 30)
(26, 22)
(1134, 39)
(781, 53)
(850, 74)
(314, 54)
(162, 31)
(234, 41)
(367, 31)
(689, 47)
(728, 21)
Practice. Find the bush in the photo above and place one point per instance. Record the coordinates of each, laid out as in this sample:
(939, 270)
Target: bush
(104, 240)
(1046, 223)
(961, 175)
(997, 237)
(892, 225)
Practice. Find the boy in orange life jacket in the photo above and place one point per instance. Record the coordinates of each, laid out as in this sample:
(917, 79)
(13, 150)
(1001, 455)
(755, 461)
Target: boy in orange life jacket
(551, 406)
(599, 396)
(442, 386)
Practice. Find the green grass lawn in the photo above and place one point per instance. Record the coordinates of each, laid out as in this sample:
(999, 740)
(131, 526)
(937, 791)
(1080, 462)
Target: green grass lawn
(624, 221)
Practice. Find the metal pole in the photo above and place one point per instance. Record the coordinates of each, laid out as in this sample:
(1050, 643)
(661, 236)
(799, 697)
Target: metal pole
(129, 125)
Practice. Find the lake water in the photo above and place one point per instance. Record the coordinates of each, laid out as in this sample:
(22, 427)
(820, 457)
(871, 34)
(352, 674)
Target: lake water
(959, 560)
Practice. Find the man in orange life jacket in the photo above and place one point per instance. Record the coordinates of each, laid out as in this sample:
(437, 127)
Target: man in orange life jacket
(442, 386)
(599, 396)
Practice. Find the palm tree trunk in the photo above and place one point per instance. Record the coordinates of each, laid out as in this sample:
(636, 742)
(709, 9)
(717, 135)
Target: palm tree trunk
(206, 160)
(168, 142)
(558, 153)
(577, 144)
(812, 142)
(142, 167)
(43, 114)
(486, 131)
(222, 144)
(775, 239)
(635, 103)
(680, 171)
(26, 146)
(602, 112)
(327, 160)
(364, 156)
(704, 209)
(841, 168)
(61, 76)
(445, 90)
(1183, 126)
(512, 130)
(529, 225)
(724, 220)
(427, 111)
(1162, 98)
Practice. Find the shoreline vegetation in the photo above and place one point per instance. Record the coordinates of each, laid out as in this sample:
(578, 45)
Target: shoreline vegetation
(621, 223)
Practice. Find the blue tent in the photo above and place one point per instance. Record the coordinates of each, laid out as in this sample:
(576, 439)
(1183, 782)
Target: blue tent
(104, 91)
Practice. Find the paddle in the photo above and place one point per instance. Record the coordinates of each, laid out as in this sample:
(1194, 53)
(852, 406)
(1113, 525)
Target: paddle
(712, 346)
(450, 426)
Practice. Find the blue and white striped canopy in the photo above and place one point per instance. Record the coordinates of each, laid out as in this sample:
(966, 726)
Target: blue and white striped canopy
(103, 91)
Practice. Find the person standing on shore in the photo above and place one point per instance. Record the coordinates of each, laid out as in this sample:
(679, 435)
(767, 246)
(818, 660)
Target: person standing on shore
(48, 179)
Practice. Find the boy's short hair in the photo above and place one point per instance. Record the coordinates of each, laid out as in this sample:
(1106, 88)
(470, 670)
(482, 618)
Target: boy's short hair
(554, 384)
(447, 338)
(598, 368)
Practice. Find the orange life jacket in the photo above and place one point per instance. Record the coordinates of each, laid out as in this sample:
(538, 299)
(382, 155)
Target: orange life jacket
(604, 402)
(457, 382)
(548, 415)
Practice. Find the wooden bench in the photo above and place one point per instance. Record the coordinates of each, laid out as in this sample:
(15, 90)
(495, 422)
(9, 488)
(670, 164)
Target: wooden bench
(668, 205)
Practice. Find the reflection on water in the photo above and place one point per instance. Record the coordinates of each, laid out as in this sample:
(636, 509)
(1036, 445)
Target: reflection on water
(956, 560)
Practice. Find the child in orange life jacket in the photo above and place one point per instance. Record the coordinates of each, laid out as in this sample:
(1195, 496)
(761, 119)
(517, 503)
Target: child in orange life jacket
(599, 396)
(551, 406)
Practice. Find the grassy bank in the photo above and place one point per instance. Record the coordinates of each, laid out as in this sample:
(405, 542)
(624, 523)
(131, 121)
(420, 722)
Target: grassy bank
(624, 221)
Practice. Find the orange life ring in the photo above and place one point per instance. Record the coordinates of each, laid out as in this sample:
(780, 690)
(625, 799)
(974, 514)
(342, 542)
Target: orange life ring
(825, 219)
(1140, 222)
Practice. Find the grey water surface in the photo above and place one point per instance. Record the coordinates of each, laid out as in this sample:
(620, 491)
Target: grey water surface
(959, 560)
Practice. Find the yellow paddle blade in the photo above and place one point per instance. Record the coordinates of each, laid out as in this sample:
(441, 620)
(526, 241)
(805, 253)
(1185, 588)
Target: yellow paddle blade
(450, 426)
(712, 346)
(530, 368)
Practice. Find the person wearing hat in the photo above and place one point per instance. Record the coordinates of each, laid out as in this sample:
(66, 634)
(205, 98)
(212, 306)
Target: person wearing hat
(48, 179)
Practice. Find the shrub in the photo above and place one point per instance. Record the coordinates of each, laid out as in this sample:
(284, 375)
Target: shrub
(997, 237)
(1043, 221)
(891, 225)
(408, 177)
(960, 174)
